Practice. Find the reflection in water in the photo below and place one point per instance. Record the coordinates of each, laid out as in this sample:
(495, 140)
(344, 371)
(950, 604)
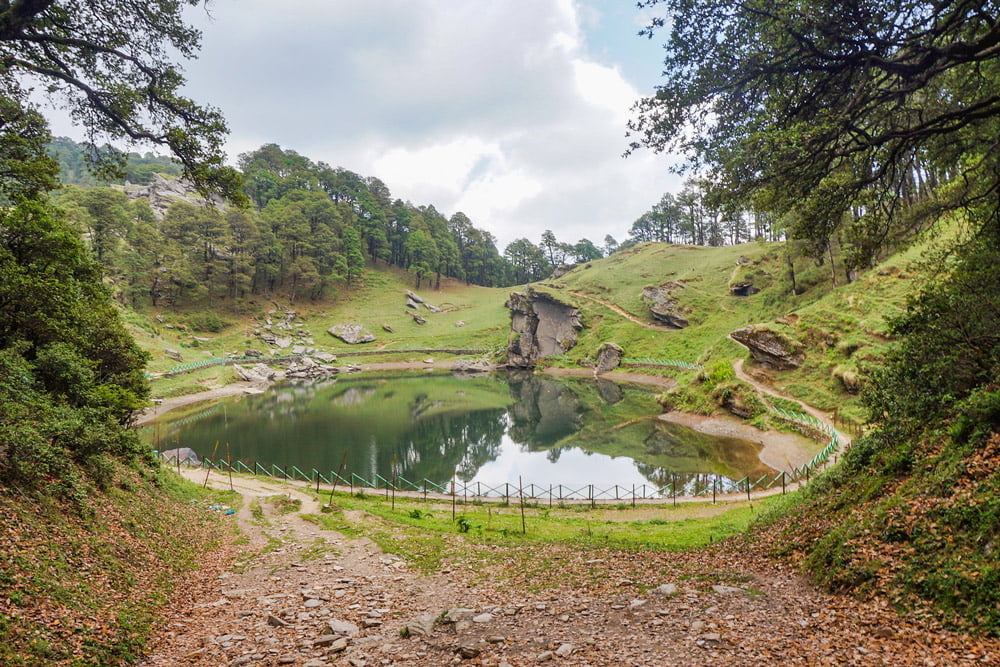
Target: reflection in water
(493, 430)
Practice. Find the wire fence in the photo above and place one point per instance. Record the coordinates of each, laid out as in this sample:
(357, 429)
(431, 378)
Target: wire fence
(660, 363)
(691, 486)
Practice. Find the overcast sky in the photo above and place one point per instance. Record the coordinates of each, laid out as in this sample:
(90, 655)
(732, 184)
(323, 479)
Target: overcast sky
(511, 111)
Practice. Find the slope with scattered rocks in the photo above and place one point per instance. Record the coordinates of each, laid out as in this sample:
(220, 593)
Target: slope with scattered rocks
(309, 597)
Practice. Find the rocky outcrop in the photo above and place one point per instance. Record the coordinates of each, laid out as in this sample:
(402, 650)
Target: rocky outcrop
(352, 334)
(769, 347)
(609, 357)
(162, 192)
(663, 305)
(540, 326)
(563, 269)
(743, 289)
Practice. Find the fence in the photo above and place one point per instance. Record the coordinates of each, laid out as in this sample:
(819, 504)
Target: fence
(659, 363)
(699, 486)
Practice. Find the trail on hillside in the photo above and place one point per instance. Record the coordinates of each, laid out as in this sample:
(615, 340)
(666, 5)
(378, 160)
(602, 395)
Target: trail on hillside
(624, 313)
(310, 597)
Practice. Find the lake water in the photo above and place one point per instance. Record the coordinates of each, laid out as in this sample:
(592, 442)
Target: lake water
(487, 430)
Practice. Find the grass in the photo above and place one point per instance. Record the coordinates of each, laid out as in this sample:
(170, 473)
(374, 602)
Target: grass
(85, 587)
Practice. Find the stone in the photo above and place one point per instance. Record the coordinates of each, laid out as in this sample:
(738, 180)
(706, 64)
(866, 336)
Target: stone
(482, 618)
(413, 297)
(315, 663)
(344, 628)
(312, 603)
(663, 306)
(562, 270)
(726, 590)
(540, 326)
(769, 347)
(460, 323)
(421, 626)
(546, 656)
(456, 614)
(418, 319)
(432, 308)
(325, 640)
(481, 365)
(637, 604)
(276, 622)
(609, 357)
(744, 288)
(352, 334)
(173, 354)
(666, 590)
(565, 650)
(338, 646)
(468, 651)
(387, 328)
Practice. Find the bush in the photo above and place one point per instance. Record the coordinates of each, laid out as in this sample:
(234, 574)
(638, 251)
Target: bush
(207, 322)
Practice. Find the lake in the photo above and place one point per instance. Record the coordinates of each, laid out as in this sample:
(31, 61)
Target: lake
(484, 430)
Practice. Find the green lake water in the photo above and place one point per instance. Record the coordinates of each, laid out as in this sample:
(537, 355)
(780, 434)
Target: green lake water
(485, 429)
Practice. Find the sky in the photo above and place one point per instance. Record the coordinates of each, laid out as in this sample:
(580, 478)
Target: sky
(513, 112)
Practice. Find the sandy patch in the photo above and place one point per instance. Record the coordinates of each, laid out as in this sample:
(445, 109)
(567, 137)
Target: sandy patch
(782, 451)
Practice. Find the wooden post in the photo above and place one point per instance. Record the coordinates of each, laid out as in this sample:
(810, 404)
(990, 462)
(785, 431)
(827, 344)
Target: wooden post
(208, 468)
(229, 464)
(453, 495)
(633, 496)
(715, 483)
(520, 494)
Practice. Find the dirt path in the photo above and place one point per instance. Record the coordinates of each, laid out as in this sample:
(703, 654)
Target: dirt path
(308, 597)
(624, 313)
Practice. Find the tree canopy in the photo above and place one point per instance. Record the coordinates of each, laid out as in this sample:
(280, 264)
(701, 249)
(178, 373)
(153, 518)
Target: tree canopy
(111, 65)
(843, 113)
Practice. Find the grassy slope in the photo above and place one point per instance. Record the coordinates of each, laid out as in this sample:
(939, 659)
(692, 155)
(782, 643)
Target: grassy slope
(82, 584)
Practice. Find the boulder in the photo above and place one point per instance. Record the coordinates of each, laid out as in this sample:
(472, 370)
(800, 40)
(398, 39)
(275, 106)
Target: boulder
(540, 326)
(609, 357)
(663, 305)
(743, 289)
(769, 347)
(418, 319)
(352, 334)
(413, 297)
(387, 328)
(563, 269)
(173, 354)
(481, 365)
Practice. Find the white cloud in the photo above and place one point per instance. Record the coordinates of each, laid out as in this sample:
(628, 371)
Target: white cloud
(493, 108)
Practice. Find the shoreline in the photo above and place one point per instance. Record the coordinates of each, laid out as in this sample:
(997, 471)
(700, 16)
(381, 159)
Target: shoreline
(780, 450)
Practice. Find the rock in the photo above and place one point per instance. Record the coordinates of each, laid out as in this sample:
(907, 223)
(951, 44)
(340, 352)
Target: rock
(742, 260)
(743, 289)
(338, 646)
(563, 269)
(252, 354)
(315, 663)
(481, 365)
(726, 590)
(609, 357)
(460, 324)
(483, 618)
(326, 357)
(432, 308)
(468, 651)
(769, 347)
(412, 304)
(387, 328)
(663, 305)
(540, 326)
(173, 354)
(610, 392)
(546, 656)
(848, 378)
(276, 622)
(418, 319)
(325, 640)
(565, 650)
(456, 614)
(162, 192)
(667, 590)
(344, 628)
(421, 626)
(352, 334)
(637, 604)
(312, 603)
(411, 296)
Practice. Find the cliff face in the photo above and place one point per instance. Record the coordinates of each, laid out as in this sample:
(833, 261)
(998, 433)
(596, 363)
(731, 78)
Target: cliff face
(540, 326)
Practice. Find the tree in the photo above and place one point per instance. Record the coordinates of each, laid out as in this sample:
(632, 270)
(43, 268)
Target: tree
(111, 65)
(842, 110)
